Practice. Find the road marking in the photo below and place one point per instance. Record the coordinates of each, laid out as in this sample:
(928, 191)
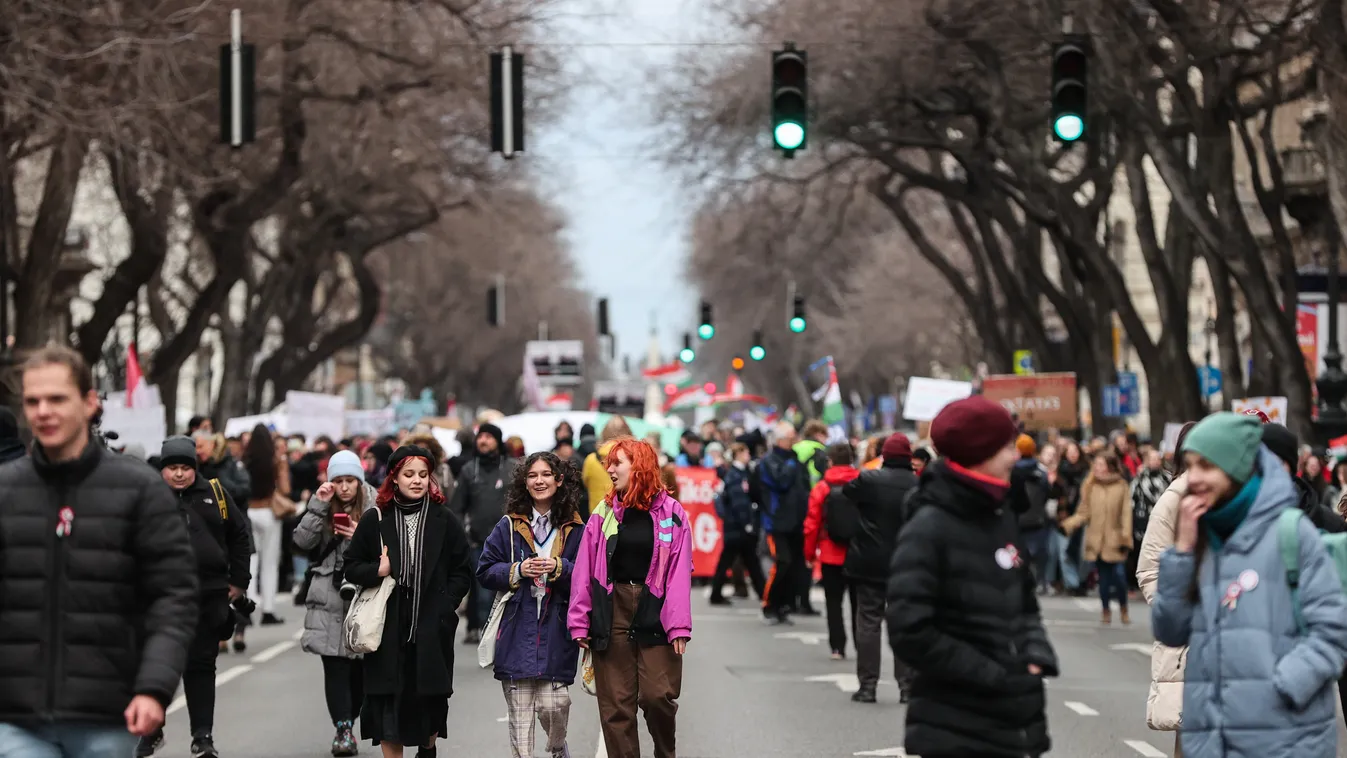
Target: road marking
(808, 638)
(1136, 647)
(844, 682)
(298, 635)
(1081, 708)
(1146, 749)
(893, 752)
(273, 651)
(502, 719)
(1085, 605)
(230, 675)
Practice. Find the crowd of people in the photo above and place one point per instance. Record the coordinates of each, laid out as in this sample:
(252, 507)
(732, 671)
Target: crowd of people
(576, 562)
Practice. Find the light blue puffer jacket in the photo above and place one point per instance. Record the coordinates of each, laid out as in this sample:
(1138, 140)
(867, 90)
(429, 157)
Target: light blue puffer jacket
(1254, 687)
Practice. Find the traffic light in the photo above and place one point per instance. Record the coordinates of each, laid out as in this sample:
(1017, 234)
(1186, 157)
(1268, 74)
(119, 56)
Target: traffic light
(706, 330)
(507, 102)
(495, 303)
(797, 321)
(238, 87)
(790, 99)
(737, 364)
(757, 352)
(1069, 88)
(687, 354)
(603, 316)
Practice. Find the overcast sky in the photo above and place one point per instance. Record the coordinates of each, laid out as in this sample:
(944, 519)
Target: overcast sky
(627, 213)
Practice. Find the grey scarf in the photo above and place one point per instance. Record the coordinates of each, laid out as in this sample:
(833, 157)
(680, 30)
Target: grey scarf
(411, 538)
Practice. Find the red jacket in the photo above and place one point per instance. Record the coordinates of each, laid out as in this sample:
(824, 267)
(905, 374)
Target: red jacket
(817, 546)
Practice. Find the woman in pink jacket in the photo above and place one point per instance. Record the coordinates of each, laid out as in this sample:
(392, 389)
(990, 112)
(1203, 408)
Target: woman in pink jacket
(631, 601)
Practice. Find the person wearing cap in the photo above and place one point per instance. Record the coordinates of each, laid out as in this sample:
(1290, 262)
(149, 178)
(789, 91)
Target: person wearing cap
(1286, 446)
(962, 611)
(1259, 662)
(221, 536)
(411, 536)
(879, 495)
(479, 500)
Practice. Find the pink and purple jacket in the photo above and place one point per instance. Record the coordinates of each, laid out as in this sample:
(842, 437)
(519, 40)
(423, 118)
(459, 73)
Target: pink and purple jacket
(664, 613)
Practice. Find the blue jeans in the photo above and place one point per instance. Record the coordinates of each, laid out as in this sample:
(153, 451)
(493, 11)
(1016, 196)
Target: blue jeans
(67, 740)
(1037, 542)
(1112, 583)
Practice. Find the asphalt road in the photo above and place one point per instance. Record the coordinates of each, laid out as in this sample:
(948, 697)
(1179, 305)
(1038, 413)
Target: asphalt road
(748, 690)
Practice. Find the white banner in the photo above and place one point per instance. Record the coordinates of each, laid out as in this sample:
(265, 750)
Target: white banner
(371, 423)
(315, 415)
(142, 425)
(927, 397)
(1274, 407)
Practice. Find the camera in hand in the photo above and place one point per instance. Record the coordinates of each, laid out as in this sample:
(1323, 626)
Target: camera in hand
(348, 591)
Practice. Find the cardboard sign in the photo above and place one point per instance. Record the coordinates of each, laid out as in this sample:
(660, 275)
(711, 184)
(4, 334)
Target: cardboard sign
(1041, 401)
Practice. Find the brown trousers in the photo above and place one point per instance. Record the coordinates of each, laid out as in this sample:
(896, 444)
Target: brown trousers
(627, 675)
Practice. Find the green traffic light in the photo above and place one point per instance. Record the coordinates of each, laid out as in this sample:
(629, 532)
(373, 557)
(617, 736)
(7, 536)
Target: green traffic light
(1069, 127)
(757, 352)
(797, 324)
(686, 355)
(706, 331)
(788, 135)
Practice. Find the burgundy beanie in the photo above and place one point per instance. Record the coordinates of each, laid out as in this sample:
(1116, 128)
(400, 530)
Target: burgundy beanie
(972, 430)
(895, 447)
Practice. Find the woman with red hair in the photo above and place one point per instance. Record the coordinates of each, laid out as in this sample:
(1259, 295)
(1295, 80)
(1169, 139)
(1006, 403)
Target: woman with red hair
(412, 537)
(631, 602)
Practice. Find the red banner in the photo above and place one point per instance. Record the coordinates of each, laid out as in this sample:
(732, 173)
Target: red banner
(697, 489)
(1307, 334)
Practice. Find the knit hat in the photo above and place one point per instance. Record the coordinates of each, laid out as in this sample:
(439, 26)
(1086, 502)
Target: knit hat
(1026, 446)
(492, 430)
(895, 447)
(344, 463)
(972, 430)
(1230, 441)
(410, 451)
(177, 450)
(1282, 442)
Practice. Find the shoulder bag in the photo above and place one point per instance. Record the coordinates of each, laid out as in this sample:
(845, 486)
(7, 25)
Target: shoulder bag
(486, 648)
(363, 628)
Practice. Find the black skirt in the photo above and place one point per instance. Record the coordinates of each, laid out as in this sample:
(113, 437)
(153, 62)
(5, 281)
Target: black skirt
(405, 718)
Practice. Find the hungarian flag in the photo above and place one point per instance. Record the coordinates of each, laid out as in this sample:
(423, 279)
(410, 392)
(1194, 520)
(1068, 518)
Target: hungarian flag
(674, 373)
(134, 378)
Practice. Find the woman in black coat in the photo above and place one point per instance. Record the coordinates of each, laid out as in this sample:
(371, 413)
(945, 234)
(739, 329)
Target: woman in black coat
(412, 537)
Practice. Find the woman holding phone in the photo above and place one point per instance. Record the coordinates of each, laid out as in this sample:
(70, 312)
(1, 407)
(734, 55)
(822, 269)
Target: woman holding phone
(531, 551)
(324, 532)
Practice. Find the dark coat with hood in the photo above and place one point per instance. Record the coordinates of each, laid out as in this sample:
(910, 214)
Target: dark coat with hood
(102, 613)
(880, 495)
(231, 472)
(532, 645)
(221, 533)
(446, 576)
(479, 493)
(782, 488)
(963, 614)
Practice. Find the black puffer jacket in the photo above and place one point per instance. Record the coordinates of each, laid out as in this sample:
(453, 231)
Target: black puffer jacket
(1323, 517)
(879, 495)
(93, 618)
(962, 613)
(479, 494)
(223, 546)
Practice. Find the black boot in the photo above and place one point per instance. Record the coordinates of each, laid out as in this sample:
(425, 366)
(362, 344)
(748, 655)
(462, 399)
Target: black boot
(863, 696)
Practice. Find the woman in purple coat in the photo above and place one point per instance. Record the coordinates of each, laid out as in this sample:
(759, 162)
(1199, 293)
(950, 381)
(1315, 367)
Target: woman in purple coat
(531, 551)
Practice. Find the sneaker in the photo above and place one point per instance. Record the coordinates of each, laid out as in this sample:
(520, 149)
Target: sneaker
(838, 655)
(271, 619)
(344, 743)
(150, 743)
(904, 695)
(863, 696)
(240, 645)
(204, 747)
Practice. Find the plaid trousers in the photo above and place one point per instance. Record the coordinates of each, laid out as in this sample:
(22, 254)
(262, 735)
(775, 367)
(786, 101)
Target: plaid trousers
(551, 701)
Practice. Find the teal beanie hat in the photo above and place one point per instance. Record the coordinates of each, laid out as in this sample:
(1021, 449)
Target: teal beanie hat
(1230, 441)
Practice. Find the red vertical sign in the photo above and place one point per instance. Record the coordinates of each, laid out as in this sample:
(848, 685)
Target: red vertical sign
(1307, 334)
(697, 489)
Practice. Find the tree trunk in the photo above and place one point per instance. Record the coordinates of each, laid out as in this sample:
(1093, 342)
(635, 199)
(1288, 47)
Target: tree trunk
(34, 291)
(168, 392)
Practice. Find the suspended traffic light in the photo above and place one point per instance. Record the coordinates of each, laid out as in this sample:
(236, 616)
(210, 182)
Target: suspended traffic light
(603, 316)
(797, 321)
(507, 102)
(757, 352)
(495, 302)
(790, 99)
(687, 354)
(706, 329)
(238, 87)
(737, 364)
(1069, 88)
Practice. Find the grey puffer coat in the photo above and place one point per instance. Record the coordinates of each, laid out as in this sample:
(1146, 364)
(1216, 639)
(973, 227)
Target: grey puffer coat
(325, 608)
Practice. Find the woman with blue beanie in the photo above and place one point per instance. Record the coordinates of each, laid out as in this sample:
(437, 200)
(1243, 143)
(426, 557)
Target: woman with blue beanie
(1259, 675)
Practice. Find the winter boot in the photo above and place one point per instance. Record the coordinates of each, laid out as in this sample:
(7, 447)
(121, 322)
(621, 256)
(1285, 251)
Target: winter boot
(1123, 616)
(344, 743)
(1106, 617)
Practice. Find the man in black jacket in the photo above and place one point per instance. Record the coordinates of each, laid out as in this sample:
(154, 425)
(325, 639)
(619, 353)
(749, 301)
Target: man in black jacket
(98, 580)
(962, 608)
(221, 539)
(479, 500)
(879, 495)
(783, 491)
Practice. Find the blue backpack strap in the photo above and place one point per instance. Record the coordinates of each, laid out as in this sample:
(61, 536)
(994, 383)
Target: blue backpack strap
(1288, 542)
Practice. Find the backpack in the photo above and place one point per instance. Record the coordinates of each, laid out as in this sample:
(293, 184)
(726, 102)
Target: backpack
(1288, 540)
(841, 517)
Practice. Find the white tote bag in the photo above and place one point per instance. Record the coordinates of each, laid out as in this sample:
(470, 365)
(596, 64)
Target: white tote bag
(486, 648)
(364, 625)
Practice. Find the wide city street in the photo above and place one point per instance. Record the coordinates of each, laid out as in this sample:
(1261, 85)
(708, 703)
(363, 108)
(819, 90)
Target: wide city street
(748, 690)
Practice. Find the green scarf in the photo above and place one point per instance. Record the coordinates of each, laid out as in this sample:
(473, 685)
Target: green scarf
(1222, 521)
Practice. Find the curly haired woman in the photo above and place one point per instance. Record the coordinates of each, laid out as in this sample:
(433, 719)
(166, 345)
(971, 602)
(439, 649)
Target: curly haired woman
(532, 551)
(631, 600)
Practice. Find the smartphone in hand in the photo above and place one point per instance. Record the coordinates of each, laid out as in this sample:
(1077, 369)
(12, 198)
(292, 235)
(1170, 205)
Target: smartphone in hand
(342, 520)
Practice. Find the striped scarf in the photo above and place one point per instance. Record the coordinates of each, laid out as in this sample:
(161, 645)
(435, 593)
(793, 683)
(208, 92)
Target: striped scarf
(411, 537)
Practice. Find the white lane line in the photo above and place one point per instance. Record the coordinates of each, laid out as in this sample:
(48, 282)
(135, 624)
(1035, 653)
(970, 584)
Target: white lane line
(273, 651)
(808, 638)
(1136, 647)
(181, 701)
(1081, 708)
(298, 635)
(1146, 749)
(1085, 605)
